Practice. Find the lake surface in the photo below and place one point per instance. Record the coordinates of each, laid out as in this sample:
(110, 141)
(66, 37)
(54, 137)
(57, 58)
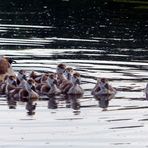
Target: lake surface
(113, 47)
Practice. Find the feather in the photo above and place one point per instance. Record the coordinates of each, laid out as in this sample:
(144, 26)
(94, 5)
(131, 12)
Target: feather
(4, 65)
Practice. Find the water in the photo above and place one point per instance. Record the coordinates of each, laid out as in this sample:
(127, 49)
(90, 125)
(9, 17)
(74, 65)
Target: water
(112, 47)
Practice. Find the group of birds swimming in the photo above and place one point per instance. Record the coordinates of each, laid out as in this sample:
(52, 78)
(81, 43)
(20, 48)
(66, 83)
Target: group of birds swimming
(25, 87)
(64, 80)
(21, 86)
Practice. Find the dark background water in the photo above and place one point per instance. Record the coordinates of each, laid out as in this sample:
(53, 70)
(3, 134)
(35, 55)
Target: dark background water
(125, 23)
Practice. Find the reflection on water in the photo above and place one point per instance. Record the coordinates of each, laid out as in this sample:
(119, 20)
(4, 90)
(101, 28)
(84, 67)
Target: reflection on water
(11, 103)
(30, 107)
(70, 101)
(103, 100)
(75, 103)
(52, 103)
